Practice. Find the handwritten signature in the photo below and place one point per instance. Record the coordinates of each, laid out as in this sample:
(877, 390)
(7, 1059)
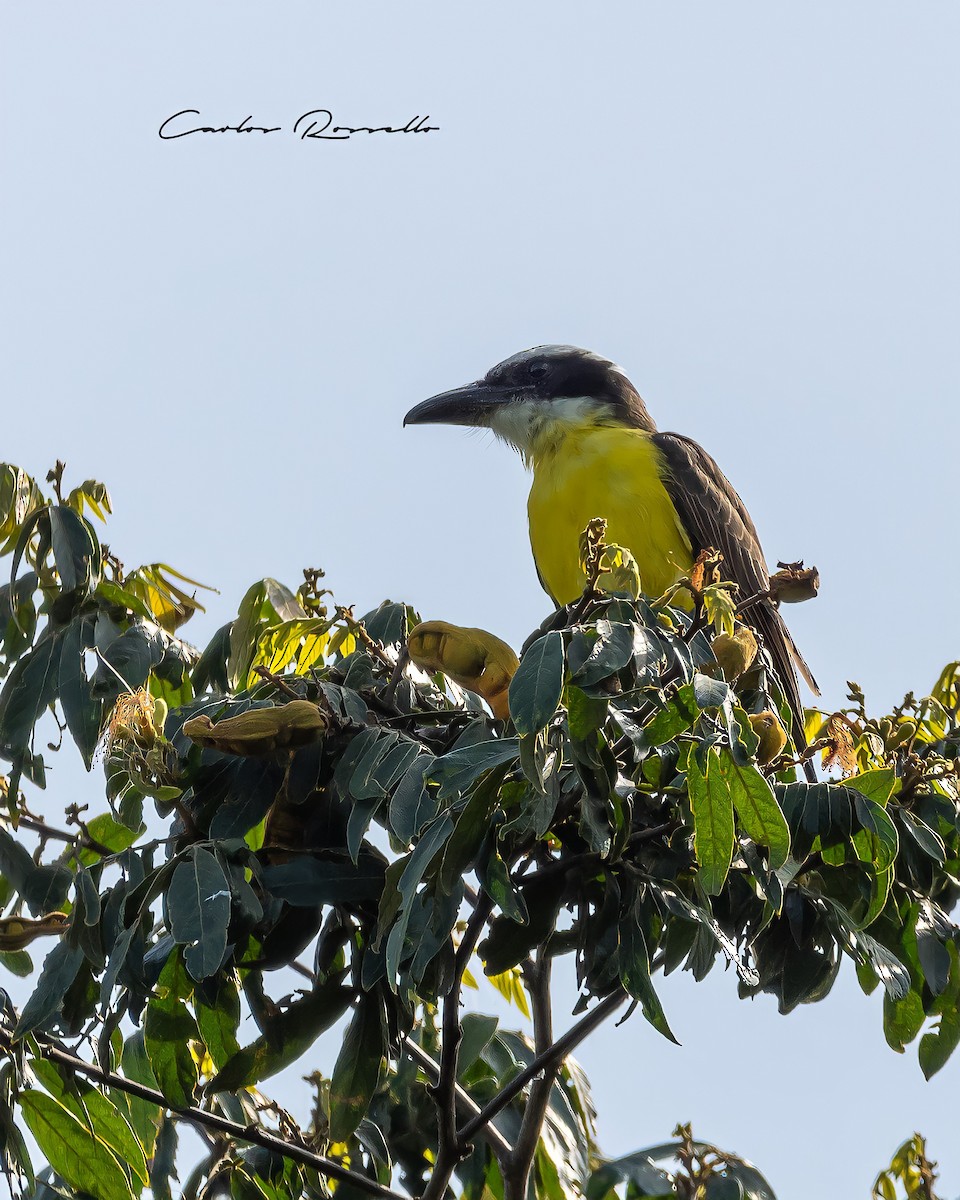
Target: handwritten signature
(315, 124)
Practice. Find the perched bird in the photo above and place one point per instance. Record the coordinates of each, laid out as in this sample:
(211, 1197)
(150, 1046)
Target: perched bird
(583, 429)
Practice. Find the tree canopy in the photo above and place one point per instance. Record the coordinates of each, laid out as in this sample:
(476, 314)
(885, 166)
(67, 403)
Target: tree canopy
(300, 798)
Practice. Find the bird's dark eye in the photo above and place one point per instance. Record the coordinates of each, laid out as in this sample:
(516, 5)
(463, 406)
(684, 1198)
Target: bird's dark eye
(536, 370)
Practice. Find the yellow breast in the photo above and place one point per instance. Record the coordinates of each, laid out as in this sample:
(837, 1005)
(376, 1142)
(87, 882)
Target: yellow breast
(610, 472)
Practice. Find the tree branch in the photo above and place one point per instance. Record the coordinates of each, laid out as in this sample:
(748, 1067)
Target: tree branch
(465, 1101)
(209, 1120)
(556, 1053)
(451, 1149)
(518, 1169)
(431, 1067)
(77, 841)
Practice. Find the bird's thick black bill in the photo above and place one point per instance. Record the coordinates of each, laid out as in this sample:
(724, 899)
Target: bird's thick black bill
(469, 405)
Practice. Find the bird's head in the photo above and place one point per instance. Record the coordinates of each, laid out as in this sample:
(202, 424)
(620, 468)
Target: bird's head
(534, 398)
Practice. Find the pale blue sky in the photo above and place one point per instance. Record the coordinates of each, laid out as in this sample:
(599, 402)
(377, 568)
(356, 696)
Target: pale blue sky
(753, 208)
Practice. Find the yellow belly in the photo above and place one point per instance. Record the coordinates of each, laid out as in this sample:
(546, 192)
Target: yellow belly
(612, 473)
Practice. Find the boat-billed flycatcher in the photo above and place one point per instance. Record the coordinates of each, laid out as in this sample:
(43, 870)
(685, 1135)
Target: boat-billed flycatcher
(582, 427)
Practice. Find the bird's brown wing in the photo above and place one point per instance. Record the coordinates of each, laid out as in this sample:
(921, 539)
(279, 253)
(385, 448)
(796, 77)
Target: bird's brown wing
(714, 515)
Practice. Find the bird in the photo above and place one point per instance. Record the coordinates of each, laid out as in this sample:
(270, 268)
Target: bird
(582, 428)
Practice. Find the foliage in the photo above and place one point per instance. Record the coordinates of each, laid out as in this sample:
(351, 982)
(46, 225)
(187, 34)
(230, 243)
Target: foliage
(294, 792)
(912, 1170)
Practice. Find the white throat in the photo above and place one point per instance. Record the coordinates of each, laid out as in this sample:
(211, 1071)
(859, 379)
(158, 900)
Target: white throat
(533, 426)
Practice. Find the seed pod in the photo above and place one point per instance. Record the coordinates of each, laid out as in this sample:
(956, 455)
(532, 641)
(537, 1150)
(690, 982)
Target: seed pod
(735, 652)
(773, 737)
(906, 729)
(18, 932)
(472, 658)
(261, 731)
(794, 583)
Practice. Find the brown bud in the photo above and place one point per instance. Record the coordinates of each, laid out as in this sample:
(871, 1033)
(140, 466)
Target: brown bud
(794, 584)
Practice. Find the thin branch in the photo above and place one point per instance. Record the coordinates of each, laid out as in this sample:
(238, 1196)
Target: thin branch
(403, 658)
(750, 601)
(81, 840)
(430, 1067)
(278, 682)
(209, 1120)
(556, 1053)
(465, 1101)
(359, 630)
(450, 1149)
(518, 1170)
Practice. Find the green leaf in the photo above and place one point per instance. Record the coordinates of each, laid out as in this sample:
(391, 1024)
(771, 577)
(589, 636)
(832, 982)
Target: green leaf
(585, 714)
(412, 804)
(637, 1171)
(79, 1156)
(198, 903)
(756, 806)
(876, 841)
(95, 1109)
(471, 829)
(168, 1030)
(306, 881)
(458, 770)
(930, 842)
(82, 712)
(601, 651)
(288, 1035)
(104, 829)
(713, 826)
(902, 1020)
(264, 605)
(500, 888)
(937, 1045)
(710, 693)
(536, 688)
(358, 1068)
(76, 550)
(17, 962)
(679, 714)
(145, 1117)
(59, 971)
(634, 965)
(217, 1011)
(411, 876)
(30, 687)
(509, 942)
(129, 658)
(478, 1029)
(163, 1165)
(878, 785)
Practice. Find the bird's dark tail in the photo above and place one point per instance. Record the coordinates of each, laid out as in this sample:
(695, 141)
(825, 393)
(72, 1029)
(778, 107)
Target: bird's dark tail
(774, 634)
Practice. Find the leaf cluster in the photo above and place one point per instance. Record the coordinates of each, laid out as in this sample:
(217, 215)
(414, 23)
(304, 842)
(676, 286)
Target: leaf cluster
(621, 817)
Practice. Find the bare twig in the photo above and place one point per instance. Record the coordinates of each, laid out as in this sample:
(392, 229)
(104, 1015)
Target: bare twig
(451, 1148)
(359, 630)
(430, 1067)
(555, 1053)
(278, 682)
(465, 1101)
(750, 601)
(403, 658)
(81, 840)
(518, 1169)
